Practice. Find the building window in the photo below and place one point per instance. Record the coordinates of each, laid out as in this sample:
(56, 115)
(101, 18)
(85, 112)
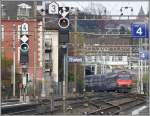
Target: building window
(106, 58)
(23, 10)
(47, 45)
(120, 58)
(113, 58)
(47, 56)
(19, 31)
(2, 32)
(3, 8)
(18, 54)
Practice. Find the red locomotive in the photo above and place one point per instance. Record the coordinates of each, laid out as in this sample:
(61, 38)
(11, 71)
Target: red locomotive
(124, 81)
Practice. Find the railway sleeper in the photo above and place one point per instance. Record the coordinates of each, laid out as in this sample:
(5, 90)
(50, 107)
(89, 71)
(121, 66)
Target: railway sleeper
(19, 108)
(129, 105)
(132, 103)
(22, 112)
(105, 111)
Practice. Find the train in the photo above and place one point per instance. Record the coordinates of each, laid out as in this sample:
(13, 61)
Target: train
(112, 81)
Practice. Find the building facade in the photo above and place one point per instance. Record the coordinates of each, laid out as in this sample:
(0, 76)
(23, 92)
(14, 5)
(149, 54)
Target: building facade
(14, 15)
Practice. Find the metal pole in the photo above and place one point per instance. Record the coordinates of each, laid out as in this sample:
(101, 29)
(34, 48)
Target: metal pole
(51, 93)
(139, 71)
(142, 77)
(66, 60)
(65, 80)
(145, 62)
(64, 84)
(75, 37)
(141, 68)
(139, 74)
(130, 58)
(20, 91)
(84, 72)
(43, 47)
(0, 56)
(14, 59)
(105, 61)
(102, 63)
(51, 80)
(84, 77)
(35, 53)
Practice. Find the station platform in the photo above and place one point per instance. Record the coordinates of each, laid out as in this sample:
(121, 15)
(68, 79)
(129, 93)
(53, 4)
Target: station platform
(145, 111)
(8, 104)
(142, 110)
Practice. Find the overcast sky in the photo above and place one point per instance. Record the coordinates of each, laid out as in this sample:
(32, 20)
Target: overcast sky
(113, 7)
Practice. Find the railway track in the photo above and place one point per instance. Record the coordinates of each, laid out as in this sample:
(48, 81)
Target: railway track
(40, 107)
(99, 104)
(106, 104)
(114, 107)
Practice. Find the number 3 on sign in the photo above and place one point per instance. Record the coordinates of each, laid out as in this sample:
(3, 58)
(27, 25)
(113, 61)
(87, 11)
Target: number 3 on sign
(53, 8)
(139, 31)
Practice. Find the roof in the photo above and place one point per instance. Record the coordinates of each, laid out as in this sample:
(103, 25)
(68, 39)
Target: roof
(141, 12)
(11, 8)
(102, 25)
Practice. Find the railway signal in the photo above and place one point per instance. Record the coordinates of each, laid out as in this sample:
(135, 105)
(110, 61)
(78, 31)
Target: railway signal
(63, 24)
(63, 17)
(24, 47)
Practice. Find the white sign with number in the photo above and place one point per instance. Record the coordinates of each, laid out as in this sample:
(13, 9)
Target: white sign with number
(53, 8)
(24, 28)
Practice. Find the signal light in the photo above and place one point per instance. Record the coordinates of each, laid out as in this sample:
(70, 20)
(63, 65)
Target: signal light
(24, 58)
(63, 22)
(24, 47)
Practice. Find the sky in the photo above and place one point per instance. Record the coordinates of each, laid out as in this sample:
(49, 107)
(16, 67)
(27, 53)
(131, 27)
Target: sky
(113, 7)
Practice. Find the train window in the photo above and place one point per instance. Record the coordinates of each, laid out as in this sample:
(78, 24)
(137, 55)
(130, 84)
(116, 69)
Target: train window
(124, 77)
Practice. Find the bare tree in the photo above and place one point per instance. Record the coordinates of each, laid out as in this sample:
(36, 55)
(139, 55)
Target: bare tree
(97, 9)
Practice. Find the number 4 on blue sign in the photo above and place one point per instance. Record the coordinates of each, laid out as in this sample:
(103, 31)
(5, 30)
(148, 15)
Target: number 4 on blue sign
(138, 30)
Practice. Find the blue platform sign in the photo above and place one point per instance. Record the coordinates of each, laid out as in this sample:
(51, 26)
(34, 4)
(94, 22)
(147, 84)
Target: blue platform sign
(138, 30)
(144, 55)
(74, 59)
